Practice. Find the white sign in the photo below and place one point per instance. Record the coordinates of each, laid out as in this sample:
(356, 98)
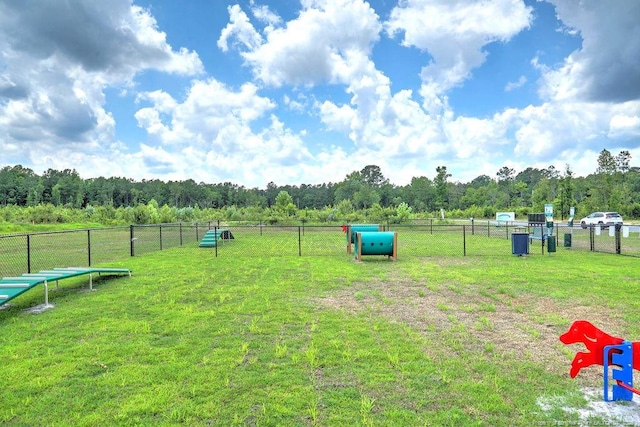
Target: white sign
(505, 216)
(548, 212)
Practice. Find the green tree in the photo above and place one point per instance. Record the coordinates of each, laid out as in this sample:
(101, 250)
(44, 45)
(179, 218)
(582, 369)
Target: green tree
(622, 160)
(166, 215)
(530, 176)
(35, 194)
(347, 189)
(141, 214)
(403, 212)
(283, 200)
(606, 163)
(551, 172)
(271, 193)
(345, 209)
(421, 194)
(481, 181)
(15, 185)
(565, 192)
(372, 175)
(56, 195)
(521, 194)
(544, 192)
(505, 174)
(603, 187)
(152, 209)
(366, 197)
(440, 181)
(284, 204)
(505, 182)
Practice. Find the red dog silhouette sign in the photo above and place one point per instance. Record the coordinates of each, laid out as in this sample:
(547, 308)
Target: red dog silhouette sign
(594, 339)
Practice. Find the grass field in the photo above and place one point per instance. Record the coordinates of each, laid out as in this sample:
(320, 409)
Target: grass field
(277, 339)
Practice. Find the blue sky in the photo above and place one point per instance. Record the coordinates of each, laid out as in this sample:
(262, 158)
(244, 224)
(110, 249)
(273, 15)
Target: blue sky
(305, 92)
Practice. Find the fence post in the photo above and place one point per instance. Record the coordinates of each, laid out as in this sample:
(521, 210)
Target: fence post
(464, 240)
(592, 239)
(131, 239)
(180, 233)
(160, 236)
(89, 246)
(215, 230)
(28, 253)
(299, 242)
(618, 227)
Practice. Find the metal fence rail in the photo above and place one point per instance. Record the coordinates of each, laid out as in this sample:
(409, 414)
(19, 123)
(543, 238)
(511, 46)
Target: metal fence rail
(31, 252)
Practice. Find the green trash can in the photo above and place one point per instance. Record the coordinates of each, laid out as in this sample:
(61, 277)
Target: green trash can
(567, 240)
(551, 244)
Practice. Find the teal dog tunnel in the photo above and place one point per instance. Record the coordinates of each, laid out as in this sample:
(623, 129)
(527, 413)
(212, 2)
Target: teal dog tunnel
(352, 229)
(376, 243)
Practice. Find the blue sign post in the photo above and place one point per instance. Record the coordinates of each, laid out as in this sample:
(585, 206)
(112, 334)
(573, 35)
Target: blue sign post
(621, 372)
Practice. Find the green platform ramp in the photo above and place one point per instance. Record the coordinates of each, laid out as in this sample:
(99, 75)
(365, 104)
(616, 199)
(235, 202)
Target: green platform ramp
(211, 237)
(12, 287)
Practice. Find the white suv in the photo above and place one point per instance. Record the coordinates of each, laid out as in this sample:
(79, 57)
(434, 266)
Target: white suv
(604, 219)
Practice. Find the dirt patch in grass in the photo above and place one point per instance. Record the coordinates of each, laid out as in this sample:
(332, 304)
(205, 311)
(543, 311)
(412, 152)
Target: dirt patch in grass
(478, 320)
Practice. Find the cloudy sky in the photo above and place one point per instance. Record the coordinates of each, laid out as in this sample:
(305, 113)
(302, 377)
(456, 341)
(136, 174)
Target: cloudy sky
(306, 91)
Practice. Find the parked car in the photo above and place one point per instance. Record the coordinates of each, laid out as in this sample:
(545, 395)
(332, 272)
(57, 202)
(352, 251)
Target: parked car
(604, 219)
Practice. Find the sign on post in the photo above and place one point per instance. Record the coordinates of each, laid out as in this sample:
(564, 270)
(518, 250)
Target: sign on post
(548, 214)
(505, 217)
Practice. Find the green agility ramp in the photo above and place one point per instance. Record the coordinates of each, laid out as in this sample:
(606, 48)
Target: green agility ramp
(211, 237)
(11, 287)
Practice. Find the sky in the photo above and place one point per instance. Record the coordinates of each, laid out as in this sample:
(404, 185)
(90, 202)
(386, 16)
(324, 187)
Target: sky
(307, 91)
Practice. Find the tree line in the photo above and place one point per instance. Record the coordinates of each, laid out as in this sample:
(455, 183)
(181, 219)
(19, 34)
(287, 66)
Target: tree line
(614, 185)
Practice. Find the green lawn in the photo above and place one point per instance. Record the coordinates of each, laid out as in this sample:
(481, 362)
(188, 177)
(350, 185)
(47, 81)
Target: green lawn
(277, 339)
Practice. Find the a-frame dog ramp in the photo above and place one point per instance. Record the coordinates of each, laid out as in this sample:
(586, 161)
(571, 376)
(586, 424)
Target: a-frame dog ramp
(12, 287)
(211, 237)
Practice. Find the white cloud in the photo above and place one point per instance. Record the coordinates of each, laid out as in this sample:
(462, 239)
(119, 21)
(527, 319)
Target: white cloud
(56, 60)
(53, 81)
(215, 129)
(454, 34)
(473, 138)
(239, 28)
(264, 14)
(323, 44)
(299, 105)
(624, 125)
(607, 66)
(209, 113)
(397, 131)
(515, 85)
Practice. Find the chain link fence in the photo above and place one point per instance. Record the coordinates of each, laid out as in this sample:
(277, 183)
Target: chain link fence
(32, 252)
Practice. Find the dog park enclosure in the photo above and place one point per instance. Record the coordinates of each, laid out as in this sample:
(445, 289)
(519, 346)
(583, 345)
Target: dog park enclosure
(30, 252)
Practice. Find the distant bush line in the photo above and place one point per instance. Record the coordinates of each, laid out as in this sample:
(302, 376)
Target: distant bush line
(63, 197)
